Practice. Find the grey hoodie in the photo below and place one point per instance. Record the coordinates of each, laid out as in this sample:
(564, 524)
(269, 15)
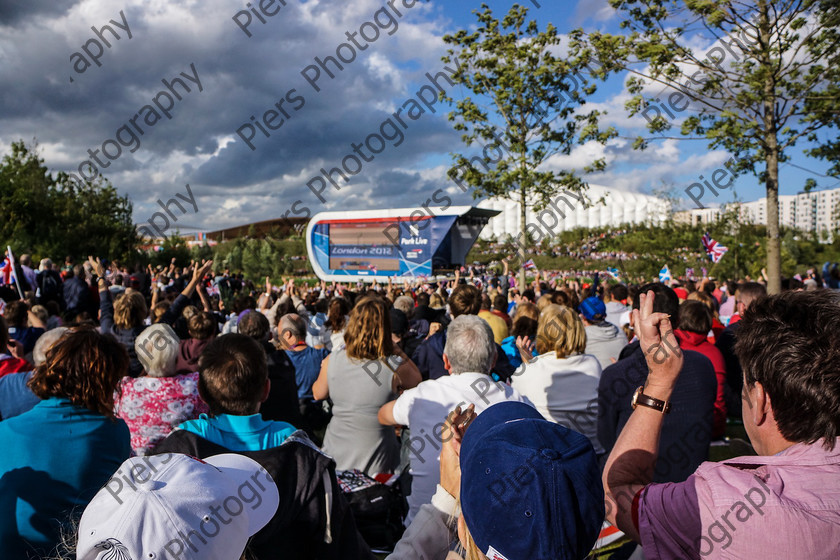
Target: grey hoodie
(604, 341)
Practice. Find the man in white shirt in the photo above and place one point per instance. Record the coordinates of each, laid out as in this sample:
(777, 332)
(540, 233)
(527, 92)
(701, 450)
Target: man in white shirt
(469, 356)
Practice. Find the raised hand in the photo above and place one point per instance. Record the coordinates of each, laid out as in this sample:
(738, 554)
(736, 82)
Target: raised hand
(658, 342)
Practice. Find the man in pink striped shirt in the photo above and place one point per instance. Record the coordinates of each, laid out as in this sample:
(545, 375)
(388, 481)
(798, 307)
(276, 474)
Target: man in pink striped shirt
(784, 503)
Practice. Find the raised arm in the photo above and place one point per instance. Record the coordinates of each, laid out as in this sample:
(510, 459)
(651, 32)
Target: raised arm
(631, 463)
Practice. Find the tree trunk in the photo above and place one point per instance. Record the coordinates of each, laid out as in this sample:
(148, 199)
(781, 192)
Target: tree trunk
(523, 224)
(774, 246)
(771, 158)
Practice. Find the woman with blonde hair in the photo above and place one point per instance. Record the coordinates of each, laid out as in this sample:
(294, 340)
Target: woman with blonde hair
(562, 382)
(369, 371)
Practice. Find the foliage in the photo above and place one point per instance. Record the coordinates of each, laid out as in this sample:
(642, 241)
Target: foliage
(514, 79)
(258, 258)
(771, 79)
(55, 216)
(678, 245)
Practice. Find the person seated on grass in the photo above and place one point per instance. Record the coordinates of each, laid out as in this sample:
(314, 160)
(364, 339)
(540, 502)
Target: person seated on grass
(57, 455)
(313, 520)
(15, 395)
(160, 507)
(233, 381)
(154, 404)
(784, 503)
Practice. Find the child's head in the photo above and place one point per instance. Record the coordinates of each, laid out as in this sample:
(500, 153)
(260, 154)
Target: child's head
(233, 375)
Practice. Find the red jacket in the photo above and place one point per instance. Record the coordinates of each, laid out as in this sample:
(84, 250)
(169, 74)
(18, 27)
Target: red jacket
(699, 343)
(14, 365)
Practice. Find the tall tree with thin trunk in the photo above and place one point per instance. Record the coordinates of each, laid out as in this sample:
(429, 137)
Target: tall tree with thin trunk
(769, 80)
(523, 106)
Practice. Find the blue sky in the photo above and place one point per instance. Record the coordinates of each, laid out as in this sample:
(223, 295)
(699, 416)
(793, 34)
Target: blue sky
(59, 88)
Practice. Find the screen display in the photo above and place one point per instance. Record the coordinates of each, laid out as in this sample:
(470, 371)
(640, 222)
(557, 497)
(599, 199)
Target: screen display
(362, 246)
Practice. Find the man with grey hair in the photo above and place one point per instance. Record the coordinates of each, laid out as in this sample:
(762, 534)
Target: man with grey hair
(469, 357)
(291, 330)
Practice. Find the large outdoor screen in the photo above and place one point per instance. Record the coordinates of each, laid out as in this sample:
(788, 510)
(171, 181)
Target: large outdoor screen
(362, 246)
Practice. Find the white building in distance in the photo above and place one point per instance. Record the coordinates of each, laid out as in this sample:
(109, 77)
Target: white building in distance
(599, 207)
(813, 211)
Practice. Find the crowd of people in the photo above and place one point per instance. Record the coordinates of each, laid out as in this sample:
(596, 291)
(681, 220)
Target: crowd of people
(141, 417)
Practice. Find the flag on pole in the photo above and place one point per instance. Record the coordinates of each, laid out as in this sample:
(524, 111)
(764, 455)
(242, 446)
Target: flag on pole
(529, 265)
(704, 271)
(714, 249)
(665, 274)
(372, 267)
(613, 272)
(14, 274)
(689, 273)
(6, 272)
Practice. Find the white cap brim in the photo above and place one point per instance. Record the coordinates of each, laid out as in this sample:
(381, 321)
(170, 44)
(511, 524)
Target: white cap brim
(245, 471)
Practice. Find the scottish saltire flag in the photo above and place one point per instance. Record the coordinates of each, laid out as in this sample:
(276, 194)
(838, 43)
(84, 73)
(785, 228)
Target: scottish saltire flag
(665, 274)
(714, 249)
(529, 265)
(613, 272)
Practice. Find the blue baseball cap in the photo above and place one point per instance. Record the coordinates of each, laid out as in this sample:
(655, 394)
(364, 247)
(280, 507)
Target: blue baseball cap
(530, 489)
(593, 309)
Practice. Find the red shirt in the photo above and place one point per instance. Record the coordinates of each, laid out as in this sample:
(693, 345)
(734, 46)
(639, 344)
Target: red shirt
(9, 364)
(699, 343)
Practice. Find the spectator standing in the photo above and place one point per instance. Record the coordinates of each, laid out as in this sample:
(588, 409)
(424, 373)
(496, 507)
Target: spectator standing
(469, 357)
(687, 432)
(562, 382)
(282, 403)
(50, 285)
(618, 312)
(745, 295)
(359, 378)
(695, 323)
(604, 340)
(500, 328)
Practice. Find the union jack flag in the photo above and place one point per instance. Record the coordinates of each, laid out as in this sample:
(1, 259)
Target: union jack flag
(6, 271)
(529, 265)
(714, 249)
(372, 267)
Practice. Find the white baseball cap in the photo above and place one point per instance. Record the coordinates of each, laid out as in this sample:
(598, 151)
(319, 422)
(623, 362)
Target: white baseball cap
(174, 506)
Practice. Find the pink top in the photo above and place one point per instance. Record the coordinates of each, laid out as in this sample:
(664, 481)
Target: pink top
(784, 506)
(153, 406)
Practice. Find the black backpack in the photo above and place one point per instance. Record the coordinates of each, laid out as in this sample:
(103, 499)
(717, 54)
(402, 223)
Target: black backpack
(50, 286)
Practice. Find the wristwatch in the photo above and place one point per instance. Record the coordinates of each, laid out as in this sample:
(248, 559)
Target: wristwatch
(640, 399)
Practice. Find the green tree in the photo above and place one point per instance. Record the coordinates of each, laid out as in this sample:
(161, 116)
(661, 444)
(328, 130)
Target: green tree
(523, 110)
(54, 216)
(779, 86)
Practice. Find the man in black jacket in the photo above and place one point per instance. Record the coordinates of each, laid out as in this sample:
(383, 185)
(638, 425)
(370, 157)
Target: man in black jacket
(687, 430)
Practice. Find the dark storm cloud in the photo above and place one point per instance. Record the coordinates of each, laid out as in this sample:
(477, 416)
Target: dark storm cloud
(13, 12)
(241, 76)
